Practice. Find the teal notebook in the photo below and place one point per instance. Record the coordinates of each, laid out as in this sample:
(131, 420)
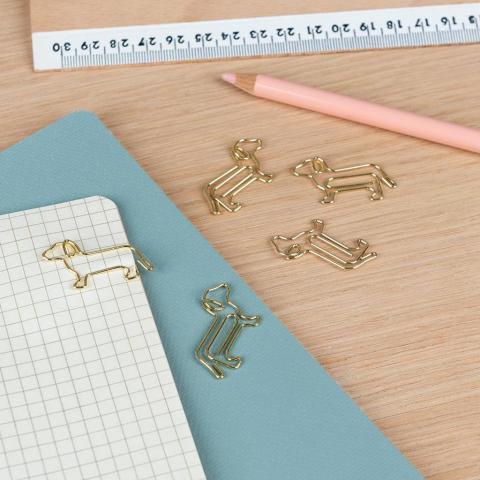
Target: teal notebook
(280, 416)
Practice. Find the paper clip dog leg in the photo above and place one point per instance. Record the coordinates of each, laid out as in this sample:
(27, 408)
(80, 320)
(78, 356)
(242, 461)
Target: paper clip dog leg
(214, 350)
(357, 177)
(220, 192)
(318, 243)
(67, 250)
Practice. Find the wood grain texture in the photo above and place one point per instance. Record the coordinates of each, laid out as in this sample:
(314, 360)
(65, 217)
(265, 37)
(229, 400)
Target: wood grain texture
(49, 15)
(401, 334)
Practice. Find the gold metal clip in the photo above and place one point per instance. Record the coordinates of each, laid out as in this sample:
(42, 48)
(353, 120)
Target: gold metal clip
(323, 246)
(66, 250)
(221, 191)
(214, 350)
(361, 177)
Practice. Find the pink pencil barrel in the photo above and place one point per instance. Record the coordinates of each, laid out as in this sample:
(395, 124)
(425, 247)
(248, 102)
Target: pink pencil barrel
(360, 111)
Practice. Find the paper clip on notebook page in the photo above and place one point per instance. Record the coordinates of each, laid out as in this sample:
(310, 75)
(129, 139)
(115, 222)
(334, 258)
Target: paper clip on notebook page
(89, 362)
(67, 250)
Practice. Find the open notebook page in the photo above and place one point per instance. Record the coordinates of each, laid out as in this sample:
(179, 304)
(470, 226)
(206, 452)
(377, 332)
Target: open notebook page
(86, 391)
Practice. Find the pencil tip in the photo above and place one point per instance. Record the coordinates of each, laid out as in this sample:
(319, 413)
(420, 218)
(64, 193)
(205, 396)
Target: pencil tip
(229, 78)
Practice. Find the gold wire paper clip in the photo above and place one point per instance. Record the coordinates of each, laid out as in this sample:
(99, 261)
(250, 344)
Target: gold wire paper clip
(67, 250)
(323, 246)
(356, 177)
(221, 191)
(213, 352)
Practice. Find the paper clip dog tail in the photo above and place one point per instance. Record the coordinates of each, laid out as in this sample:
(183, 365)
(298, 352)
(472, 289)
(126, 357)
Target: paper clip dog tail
(141, 259)
(66, 250)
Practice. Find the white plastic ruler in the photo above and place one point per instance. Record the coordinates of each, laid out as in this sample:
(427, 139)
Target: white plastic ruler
(257, 37)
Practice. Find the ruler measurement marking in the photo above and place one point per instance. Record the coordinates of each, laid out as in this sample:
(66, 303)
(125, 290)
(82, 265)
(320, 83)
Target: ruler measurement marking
(267, 36)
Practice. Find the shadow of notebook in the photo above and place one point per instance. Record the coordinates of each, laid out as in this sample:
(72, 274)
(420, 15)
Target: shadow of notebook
(280, 416)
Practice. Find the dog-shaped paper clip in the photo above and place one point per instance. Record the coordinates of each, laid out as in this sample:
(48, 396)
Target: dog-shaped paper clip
(67, 250)
(356, 177)
(220, 192)
(214, 350)
(321, 245)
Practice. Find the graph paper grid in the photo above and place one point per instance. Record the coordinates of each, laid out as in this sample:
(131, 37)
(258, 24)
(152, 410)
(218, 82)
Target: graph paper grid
(86, 391)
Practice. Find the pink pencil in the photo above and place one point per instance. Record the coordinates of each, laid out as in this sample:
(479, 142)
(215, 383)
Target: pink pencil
(359, 111)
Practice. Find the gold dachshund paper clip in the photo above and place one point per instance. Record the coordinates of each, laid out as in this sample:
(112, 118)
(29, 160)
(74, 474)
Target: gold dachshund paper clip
(356, 177)
(318, 243)
(67, 250)
(213, 352)
(220, 192)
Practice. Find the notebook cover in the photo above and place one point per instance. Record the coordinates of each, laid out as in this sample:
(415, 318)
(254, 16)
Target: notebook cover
(279, 416)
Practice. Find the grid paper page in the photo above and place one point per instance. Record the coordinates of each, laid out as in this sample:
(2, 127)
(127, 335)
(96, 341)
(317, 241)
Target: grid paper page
(86, 391)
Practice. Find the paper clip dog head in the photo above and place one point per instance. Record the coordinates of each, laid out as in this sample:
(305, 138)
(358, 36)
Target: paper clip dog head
(214, 350)
(356, 177)
(318, 243)
(67, 250)
(220, 192)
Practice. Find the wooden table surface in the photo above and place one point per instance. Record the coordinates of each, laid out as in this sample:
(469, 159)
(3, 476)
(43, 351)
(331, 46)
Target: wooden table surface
(401, 335)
